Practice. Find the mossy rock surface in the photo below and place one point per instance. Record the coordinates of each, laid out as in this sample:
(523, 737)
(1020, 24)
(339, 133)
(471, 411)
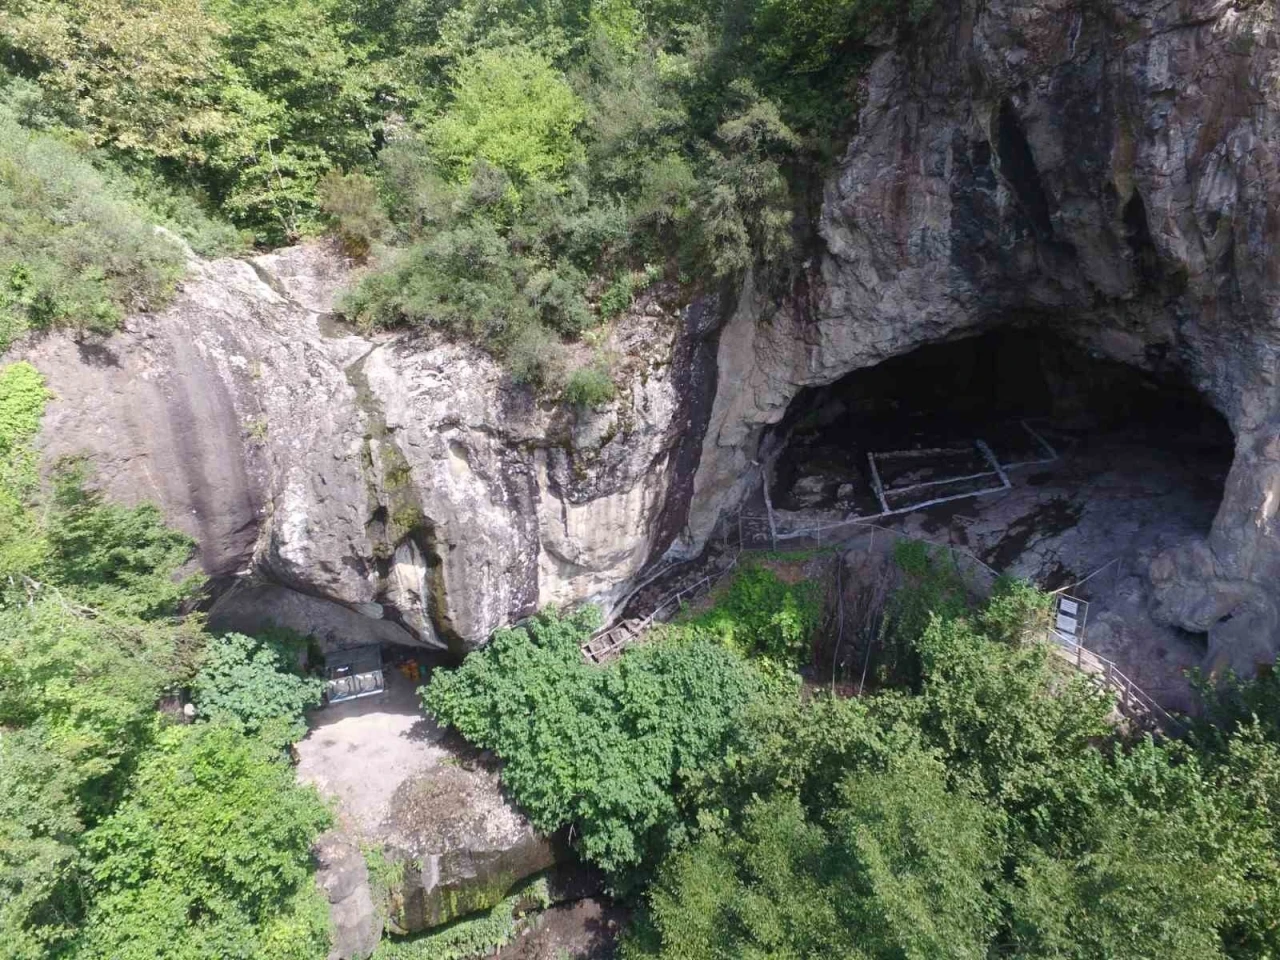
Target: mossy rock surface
(465, 848)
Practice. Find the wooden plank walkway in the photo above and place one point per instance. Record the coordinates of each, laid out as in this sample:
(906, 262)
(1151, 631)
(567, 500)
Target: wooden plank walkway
(603, 647)
(609, 643)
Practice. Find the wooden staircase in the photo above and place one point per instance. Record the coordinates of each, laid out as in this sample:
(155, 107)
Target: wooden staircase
(603, 647)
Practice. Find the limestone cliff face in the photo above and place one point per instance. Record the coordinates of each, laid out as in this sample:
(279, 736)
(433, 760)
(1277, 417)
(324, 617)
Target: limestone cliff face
(1109, 169)
(365, 488)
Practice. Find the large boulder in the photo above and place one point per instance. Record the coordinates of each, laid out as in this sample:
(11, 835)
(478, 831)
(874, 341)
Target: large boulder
(449, 839)
(462, 845)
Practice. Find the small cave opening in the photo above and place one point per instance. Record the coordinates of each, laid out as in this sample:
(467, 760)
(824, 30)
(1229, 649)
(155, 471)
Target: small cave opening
(952, 424)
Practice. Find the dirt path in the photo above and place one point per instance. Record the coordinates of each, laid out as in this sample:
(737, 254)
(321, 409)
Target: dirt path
(361, 751)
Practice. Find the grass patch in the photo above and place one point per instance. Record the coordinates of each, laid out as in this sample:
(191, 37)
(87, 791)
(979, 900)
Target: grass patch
(74, 252)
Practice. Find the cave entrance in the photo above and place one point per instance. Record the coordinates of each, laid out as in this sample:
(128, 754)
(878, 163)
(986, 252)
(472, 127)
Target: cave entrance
(1023, 450)
(965, 420)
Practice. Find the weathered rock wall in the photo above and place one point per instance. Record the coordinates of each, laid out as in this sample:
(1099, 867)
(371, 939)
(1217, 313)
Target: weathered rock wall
(365, 488)
(1109, 169)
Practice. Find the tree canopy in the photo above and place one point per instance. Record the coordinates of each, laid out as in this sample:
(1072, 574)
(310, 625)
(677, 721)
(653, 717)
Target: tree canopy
(516, 171)
(123, 834)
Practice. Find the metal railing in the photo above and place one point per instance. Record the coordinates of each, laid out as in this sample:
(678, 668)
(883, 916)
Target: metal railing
(1131, 700)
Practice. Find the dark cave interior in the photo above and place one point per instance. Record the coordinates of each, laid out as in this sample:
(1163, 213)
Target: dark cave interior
(1025, 393)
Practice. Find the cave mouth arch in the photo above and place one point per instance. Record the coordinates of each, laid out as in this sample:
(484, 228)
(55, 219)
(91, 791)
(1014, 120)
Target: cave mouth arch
(963, 421)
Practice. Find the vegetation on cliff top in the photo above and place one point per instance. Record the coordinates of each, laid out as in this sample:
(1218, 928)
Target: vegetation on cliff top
(517, 168)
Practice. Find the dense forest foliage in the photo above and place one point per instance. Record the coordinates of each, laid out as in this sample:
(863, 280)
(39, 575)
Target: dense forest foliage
(515, 169)
(981, 803)
(124, 833)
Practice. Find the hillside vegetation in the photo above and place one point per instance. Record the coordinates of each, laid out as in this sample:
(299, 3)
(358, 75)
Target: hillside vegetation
(515, 169)
(123, 833)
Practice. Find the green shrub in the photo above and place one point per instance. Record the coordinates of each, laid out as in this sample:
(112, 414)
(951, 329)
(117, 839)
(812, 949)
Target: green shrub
(466, 281)
(932, 587)
(88, 684)
(116, 558)
(589, 386)
(602, 750)
(174, 206)
(22, 400)
(1017, 612)
(995, 812)
(209, 855)
(1231, 703)
(762, 616)
(40, 825)
(510, 108)
(72, 252)
(898, 866)
(254, 683)
(351, 202)
(250, 102)
(618, 295)
(535, 357)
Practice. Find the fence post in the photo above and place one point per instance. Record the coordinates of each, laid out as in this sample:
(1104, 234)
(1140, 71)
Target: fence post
(768, 506)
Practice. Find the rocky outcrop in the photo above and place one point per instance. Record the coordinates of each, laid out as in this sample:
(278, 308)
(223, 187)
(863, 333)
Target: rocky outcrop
(1107, 169)
(343, 876)
(1111, 170)
(444, 838)
(461, 845)
(366, 488)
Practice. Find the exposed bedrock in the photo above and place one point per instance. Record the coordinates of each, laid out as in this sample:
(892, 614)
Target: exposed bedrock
(368, 488)
(1109, 170)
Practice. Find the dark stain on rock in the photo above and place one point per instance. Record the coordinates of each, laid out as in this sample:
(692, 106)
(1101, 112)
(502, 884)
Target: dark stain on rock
(1057, 575)
(694, 371)
(214, 460)
(96, 354)
(1047, 519)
